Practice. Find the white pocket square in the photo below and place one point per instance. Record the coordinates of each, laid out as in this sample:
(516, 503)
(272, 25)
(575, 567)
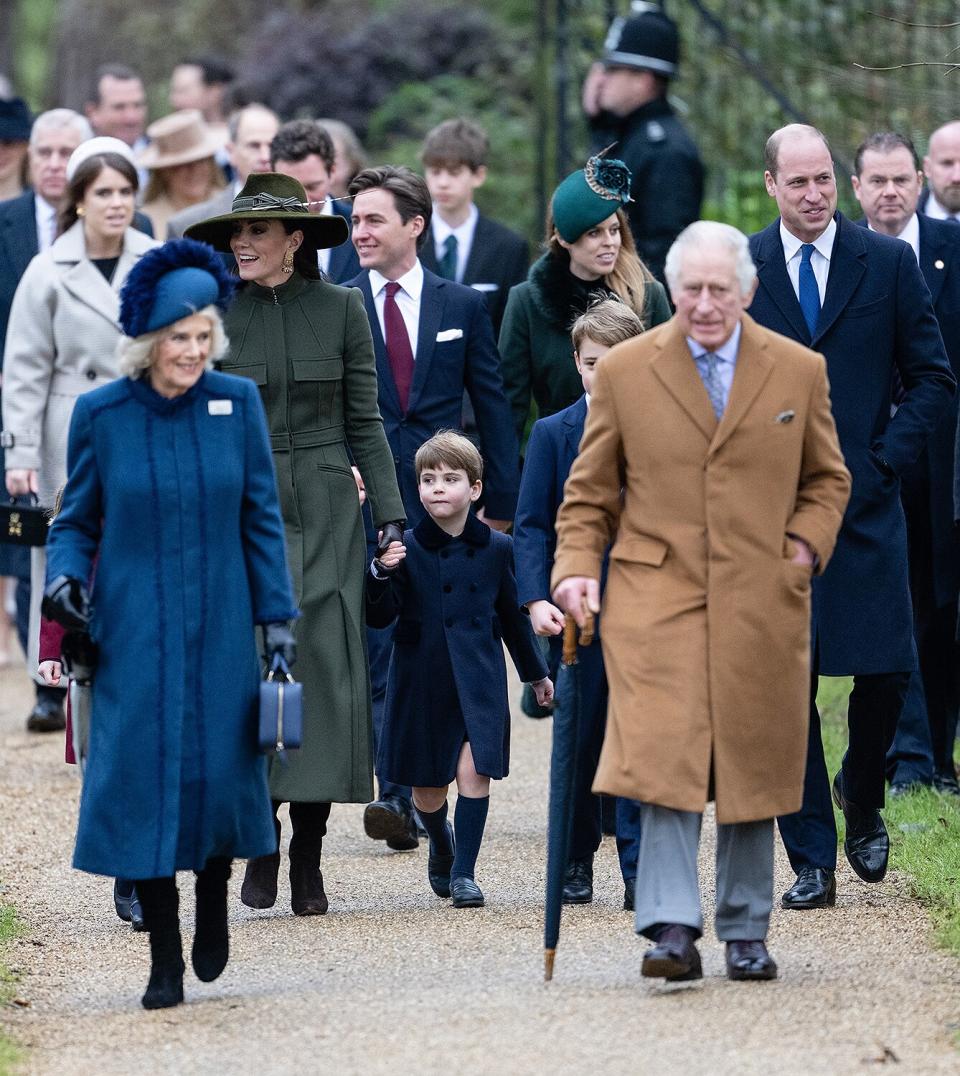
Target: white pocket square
(449, 334)
(485, 287)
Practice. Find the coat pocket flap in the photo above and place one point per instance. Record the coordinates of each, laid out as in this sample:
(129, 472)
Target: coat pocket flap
(318, 369)
(640, 549)
(257, 372)
(407, 631)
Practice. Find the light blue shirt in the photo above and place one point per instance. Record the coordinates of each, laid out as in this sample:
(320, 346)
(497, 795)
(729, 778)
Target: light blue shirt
(726, 364)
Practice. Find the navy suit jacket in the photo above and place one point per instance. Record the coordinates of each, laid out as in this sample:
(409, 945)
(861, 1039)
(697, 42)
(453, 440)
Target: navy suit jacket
(442, 370)
(498, 259)
(876, 315)
(344, 263)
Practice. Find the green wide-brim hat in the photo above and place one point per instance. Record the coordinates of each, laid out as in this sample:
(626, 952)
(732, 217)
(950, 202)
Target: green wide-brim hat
(590, 195)
(272, 196)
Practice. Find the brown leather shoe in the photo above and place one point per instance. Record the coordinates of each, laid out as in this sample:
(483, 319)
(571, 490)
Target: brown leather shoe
(748, 960)
(259, 889)
(307, 896)
(674, 957)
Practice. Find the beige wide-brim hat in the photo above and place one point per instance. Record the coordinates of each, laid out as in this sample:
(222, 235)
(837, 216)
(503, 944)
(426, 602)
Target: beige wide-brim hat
(180, 138)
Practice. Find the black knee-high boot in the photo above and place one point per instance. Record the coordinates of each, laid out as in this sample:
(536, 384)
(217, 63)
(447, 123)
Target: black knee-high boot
(211, 938)
(259, 889)
(309, 821)
(161, 915)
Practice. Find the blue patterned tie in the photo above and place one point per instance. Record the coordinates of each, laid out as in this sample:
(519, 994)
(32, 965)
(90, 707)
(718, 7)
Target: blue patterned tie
(809, 292)
(448, 263)
(710, 375)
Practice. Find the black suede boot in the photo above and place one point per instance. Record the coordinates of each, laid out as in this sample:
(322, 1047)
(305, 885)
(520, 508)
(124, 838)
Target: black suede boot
(309, 822)
(211, 938)
(161, 905)
(259, 889)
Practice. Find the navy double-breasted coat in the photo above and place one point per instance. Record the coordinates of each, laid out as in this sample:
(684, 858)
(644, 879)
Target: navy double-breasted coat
(179, 495)
(876, 317)
(455, 603)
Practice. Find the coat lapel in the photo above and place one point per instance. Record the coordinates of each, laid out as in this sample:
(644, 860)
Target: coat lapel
(750, 374)
(932, 251)
(432, 304)
(675, 367)
(573, 423)
(848, 263)
(772, 271)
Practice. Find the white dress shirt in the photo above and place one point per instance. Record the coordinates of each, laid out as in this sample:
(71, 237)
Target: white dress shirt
(935, 209)
(910, 234)
(464, 233)
(323, 256)
(819, 259)
(726, 359)
(408, 300)
(46, 215)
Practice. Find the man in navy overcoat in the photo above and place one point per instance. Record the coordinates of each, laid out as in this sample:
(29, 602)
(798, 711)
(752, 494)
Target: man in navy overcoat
(447, 347)
(887, 183)
(859, 298)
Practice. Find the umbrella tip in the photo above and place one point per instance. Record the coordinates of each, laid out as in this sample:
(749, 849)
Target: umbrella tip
(549, 955)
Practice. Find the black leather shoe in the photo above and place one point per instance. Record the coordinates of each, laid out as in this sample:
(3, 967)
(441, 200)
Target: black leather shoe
(124, 894)
(465, 893)
(578, 881)
(390, 819)
(815, 887)
(136, 913)
(749, 960)
(259, 889)
(629, 892)
(439, 864)
(47, 715)
(902, 788)
(674, 957)
(946, 783)
(865, 843)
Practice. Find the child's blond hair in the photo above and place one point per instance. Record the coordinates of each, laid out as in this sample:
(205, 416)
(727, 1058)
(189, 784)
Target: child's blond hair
(607, 322)
(450, 448)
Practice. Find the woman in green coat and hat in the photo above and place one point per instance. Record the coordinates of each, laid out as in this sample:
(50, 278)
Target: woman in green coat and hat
(590, 254)
(307, 345)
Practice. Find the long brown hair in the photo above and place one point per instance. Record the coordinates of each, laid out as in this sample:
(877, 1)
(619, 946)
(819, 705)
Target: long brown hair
(629, 277)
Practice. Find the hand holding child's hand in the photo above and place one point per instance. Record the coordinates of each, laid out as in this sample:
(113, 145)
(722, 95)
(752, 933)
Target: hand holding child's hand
(389, 559)
(545, 617)
(543, 689)
(50, 672)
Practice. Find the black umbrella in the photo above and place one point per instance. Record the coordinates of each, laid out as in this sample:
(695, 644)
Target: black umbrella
(563, 764)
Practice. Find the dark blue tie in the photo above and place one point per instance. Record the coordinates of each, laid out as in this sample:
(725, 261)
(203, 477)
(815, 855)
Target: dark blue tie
(809, 292)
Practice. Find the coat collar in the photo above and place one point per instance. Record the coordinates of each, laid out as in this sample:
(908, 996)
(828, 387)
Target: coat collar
(430, 536)
(559, 295)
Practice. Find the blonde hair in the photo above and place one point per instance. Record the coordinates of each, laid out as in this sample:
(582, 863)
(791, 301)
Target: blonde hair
(135, 354)
(450, 448)
(629, 277)
(159, 182)
(607, 322)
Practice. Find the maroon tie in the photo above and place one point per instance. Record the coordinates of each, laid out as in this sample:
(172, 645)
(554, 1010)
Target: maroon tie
(399, 352)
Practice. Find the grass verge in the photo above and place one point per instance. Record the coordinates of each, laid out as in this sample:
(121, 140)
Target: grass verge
(924, 827)
(9, 928)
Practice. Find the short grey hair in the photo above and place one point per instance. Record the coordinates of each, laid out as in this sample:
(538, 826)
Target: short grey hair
(711, 233)
(61, 117)
(135, 354)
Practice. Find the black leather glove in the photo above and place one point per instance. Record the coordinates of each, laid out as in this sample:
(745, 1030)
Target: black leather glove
(392, 532)
(67, 601)
(278, 640)
(80, 656)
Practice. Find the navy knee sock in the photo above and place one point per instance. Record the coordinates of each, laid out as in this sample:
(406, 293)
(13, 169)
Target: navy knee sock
(468, 823)
(435, 823)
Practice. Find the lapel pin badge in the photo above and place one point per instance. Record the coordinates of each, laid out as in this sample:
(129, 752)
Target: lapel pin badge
(220, 407)
(785, 416)
(938, 264)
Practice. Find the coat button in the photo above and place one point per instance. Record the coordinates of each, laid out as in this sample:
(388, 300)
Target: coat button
(91, 375)
(447, 588)
(449, 622)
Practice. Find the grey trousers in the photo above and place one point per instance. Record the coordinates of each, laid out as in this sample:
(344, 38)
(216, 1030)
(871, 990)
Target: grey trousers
(668, 889)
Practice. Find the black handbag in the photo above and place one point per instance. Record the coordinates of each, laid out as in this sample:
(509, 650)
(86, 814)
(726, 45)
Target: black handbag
(24, 524)
(281, 710)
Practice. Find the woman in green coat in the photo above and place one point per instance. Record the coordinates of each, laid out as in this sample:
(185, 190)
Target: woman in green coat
(590, 254)
(307, 345)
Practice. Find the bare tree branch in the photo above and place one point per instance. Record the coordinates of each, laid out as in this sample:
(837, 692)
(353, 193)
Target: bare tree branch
(919, 25)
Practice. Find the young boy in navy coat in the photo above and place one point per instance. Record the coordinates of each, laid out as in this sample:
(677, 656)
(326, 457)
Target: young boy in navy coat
(452, 591)
(552, 448)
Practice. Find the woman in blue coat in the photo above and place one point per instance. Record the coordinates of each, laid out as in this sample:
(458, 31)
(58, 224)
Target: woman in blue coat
(170, 484)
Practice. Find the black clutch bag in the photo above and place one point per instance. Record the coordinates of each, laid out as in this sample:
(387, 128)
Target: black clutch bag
(24, 524)
(281, 710)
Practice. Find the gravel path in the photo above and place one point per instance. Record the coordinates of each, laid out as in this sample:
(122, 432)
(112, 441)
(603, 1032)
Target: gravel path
(393, 980)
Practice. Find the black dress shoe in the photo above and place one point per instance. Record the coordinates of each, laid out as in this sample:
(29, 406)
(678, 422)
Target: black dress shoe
(391, 819)
(629, 892)
(136, 913)
(124, 894)
(903, 788)
(578, 881)
(465, 893)
(674, 957)
(946, 783)
(439, 864)
(865, 843)
(47, 715)
(749, 960)
(815, 887)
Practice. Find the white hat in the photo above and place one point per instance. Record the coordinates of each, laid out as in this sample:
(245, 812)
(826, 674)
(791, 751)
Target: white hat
(93, 146)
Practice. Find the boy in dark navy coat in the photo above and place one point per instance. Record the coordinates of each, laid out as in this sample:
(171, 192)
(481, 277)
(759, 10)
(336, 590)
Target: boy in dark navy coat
(552, 448)
(452, 591)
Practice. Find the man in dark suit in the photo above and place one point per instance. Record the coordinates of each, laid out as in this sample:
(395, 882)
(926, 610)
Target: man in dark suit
(941, 167)
(303, 149)
(858, 298)
(463, 244)
(887, 183)
(432, 339)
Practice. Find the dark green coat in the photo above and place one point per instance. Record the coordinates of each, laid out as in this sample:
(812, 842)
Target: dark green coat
(536, 355)
(307, 345)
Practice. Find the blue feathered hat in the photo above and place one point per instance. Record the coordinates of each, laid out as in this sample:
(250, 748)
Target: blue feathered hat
(172, 282)
(590, 195)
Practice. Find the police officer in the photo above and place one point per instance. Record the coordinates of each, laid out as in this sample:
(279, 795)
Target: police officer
(625, 99)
